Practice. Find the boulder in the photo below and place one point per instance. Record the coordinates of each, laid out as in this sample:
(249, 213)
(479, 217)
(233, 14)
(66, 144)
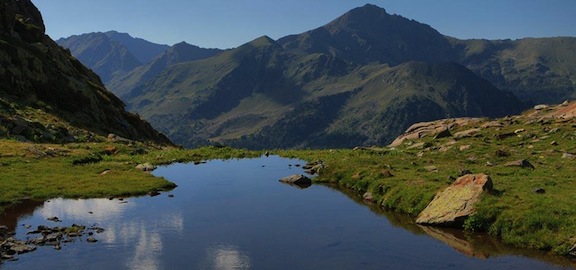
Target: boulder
(453, 205)
(466, 133)
(523, 163)
(296, 179)
(440, 128)
(146, 167)
(540, 107)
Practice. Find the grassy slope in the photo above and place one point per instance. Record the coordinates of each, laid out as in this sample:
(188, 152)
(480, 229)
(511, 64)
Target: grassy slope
(515, 212)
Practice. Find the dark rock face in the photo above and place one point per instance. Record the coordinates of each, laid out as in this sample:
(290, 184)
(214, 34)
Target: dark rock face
(23, 18)
(44, 76)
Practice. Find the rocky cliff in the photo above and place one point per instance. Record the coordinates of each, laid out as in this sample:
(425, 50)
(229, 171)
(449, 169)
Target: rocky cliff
(45, 93)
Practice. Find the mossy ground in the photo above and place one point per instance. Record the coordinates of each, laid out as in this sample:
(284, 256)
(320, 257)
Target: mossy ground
(514, 211)
(103, 169)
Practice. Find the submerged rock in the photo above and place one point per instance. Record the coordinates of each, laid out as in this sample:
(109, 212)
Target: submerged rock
(454, 204)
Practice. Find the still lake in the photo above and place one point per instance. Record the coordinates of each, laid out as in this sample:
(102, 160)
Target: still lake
(234, 214)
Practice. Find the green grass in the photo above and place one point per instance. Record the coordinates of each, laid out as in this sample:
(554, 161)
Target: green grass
(28, 175)
(514, 212)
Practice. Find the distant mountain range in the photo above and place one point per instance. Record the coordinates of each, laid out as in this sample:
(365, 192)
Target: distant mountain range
(46, 95)
(113, 55)
(361, 79)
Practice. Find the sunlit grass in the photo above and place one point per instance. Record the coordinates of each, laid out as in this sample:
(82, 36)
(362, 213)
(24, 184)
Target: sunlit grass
(27, 173)
(514, 212)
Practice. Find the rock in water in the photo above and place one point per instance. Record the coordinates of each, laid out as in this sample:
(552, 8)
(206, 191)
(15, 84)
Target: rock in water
(296, 179)
(451, 206)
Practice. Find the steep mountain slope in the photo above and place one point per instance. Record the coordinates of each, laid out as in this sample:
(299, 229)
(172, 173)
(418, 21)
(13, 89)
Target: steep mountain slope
(103, 55)
(537, 70)
(181, 52)
(382, 106)
(267, 93)
(47, 95)
(263, 95)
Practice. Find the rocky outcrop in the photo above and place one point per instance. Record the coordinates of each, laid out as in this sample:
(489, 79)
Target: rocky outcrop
(438, 129)
(21, 18)
(453, 205)
(39, 75)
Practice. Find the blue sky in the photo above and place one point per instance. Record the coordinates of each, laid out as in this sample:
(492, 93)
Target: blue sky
(230, 23)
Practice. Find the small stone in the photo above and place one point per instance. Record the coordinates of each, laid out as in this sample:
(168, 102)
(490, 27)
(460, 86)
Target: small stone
(91, 240)
(387, 174)
(431, 168)
(6, 257)
(153, 193)
(146, 167)
(501, 153)
(523, 163)
(55, 219)
(465, 147)
(368, 196)
(540, 107)
(539, 191)
(518, 131)
(568, 156)
(554, 143)
(464, 172)
(170, 195)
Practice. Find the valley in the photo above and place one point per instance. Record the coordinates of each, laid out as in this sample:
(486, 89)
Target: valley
(381, 107)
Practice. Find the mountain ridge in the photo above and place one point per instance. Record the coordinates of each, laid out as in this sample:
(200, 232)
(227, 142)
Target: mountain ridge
(214, 99)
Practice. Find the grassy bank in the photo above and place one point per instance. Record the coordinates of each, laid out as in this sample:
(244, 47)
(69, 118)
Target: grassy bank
(89, 170)
(531, 208)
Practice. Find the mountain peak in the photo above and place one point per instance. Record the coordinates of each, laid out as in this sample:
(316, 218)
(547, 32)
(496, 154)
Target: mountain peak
(370, 35)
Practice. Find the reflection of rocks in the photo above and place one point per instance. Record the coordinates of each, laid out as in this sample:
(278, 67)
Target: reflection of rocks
(456, 240)
(451, 206)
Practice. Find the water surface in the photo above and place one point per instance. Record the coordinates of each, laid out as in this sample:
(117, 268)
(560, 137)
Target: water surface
(235, 214)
